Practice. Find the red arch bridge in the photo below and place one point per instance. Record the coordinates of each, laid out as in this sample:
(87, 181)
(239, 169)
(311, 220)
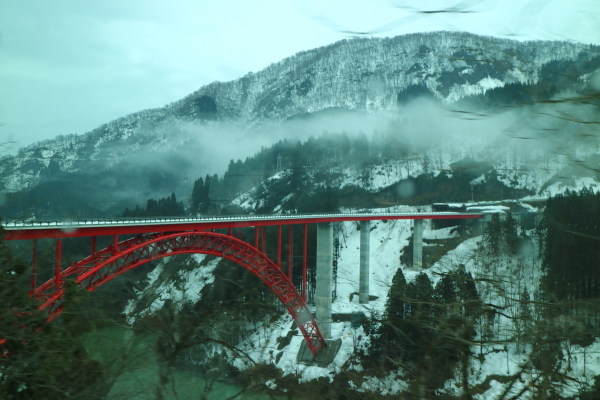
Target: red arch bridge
(163, 237)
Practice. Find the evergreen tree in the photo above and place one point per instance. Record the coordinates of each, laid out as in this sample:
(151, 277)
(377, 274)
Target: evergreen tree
(152, 208)
(419, 316)
(198, 193)
(165, 207)
(360, 149)
(446, 294)
(428, 330)
(392, 339)
(331, 201)
(215, 186)
(41, 360)
(510, 233)
(345, 146)
(467, 292)
(206, 187)
(205, 203)
(492, 235)
(298, 168)
(571, 257)
(524, 317)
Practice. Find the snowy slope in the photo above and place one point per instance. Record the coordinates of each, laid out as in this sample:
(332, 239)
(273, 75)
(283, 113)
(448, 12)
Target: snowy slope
(377, 75)
(500, 280)
(368, 74)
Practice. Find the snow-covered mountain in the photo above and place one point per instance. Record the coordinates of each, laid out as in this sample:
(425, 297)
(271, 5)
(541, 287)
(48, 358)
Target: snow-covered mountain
(360, 75)
(377, 74)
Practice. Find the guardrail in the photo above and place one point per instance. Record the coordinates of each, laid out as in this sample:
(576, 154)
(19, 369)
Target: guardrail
(229, 218)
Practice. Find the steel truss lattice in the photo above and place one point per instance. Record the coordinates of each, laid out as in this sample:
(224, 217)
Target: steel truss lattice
(117, 258)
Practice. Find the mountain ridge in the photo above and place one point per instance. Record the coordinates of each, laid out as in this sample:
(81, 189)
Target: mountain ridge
(367, 75)
(206, 106)
(391, 65)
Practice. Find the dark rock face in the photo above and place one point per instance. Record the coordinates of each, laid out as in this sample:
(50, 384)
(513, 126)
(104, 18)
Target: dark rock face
(204, 108)
(413, 92)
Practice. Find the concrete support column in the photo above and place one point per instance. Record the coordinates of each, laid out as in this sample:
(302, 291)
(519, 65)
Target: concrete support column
(324, 277)
(418, 243)
(485, 220)
(476, 228)
(365, 238)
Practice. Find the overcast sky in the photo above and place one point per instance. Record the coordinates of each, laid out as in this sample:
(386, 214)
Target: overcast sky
(68, 66)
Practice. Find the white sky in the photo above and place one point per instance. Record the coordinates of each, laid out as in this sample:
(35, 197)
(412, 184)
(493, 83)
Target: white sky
(68, 66)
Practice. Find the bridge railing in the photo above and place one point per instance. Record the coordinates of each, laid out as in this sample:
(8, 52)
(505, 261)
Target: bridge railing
(207, 218)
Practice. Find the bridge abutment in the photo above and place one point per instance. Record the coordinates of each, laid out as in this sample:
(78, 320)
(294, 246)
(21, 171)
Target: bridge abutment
(323, 297)
(418, 244)
(365, 239)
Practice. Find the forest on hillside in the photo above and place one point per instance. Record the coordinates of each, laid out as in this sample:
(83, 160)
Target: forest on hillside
(323, 172)
(430, 332)
(295, 176)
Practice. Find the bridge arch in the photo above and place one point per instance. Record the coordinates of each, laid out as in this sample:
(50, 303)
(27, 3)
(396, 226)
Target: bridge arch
(106, 264)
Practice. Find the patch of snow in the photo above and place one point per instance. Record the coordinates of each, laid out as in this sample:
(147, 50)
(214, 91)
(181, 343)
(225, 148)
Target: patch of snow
(489, 83)
(489, 209)
(444, 233)
(465, 90)
(389, 385)
(529, 207)
(559, 188)
(478, 180)
(379, 176)
(193, 281)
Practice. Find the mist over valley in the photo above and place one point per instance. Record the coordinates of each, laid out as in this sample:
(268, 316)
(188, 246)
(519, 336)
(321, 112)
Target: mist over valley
(527, 109)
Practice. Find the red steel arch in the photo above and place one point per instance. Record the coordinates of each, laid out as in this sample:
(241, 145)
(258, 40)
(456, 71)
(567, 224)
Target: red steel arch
(117, 258)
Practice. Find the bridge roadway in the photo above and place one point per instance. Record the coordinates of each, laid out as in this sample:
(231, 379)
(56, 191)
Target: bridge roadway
(21, 230)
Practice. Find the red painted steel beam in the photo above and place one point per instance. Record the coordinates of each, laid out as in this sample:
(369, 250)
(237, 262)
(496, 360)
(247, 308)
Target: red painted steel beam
(304, 289)
(279, 246)
(290, 252)
(33, 268)
(102, 267)
(57, 277)
(125, 227)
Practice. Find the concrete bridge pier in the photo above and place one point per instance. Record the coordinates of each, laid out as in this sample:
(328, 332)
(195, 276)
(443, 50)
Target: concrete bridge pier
(365, 238)
(476, 227)
(323, 297)
(480, 224)
(418, 244)
(323, 300)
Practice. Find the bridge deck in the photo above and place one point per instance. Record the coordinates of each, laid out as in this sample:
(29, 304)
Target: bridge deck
(20, 230)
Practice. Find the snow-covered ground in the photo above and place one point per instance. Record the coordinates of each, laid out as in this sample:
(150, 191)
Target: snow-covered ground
(500, 281)
(387, 241)
(185, 289)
